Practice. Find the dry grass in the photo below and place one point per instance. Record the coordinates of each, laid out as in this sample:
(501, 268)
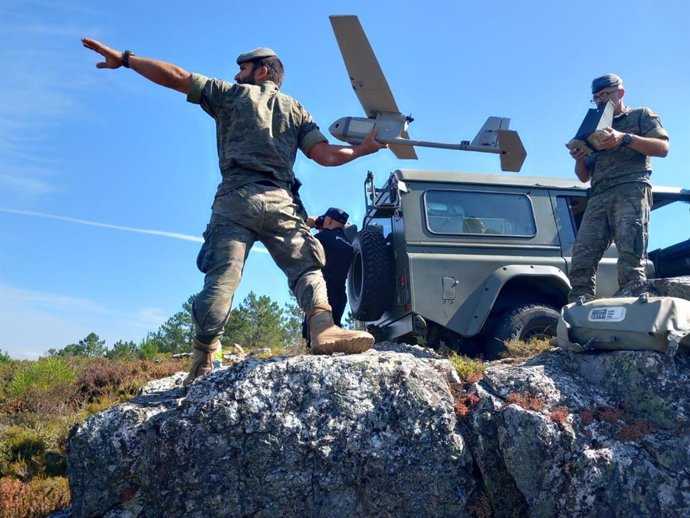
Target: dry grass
(34, 499)
(559, 415)
(469, 370)
(627, 427)
(40, 401)
(529, 349)
(464, 403)
(634, 430)
(526, 401)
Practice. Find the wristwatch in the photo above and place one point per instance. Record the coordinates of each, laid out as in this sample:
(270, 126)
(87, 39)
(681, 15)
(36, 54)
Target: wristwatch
(125, 58)
(627, 139)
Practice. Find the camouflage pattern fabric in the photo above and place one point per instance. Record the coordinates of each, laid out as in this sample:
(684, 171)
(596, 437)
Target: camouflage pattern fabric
(258, 132)
(621, 215)
(622, 164)
(269, 215)
(258, 129)
(618, 208)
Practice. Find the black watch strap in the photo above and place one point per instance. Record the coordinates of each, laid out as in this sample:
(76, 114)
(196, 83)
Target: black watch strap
(125, 57)
(627, 139)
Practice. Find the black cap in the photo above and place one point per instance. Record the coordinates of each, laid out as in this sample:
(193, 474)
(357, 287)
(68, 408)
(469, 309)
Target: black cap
(253, 55)
(606, 81)
(337, 214)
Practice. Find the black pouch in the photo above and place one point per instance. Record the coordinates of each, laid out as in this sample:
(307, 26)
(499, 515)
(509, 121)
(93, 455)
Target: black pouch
(294, 190)
(202, 253)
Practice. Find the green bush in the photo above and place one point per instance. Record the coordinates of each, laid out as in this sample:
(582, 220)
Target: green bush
(44, 375)
(34, 450)
(40, 402)
(148, 350)
(468, 369)
(44, 386)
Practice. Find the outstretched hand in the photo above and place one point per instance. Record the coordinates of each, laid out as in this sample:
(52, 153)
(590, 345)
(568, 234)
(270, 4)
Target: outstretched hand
(113, 57)
(370, 144)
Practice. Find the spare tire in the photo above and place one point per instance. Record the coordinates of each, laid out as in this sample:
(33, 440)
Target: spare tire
(370, 280)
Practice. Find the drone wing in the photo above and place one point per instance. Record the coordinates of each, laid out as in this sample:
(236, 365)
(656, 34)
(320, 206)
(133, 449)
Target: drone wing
(366, 75)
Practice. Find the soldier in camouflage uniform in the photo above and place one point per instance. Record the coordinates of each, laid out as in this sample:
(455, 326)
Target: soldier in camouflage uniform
(620, 192)
(258, 130)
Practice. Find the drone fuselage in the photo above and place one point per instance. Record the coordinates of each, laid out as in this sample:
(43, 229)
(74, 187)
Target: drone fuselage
(353, 130)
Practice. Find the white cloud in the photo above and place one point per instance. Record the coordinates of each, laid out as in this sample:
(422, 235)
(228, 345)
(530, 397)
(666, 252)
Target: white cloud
(163, 233)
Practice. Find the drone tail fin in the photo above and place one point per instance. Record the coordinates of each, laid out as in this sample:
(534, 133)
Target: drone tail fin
(513, 153)
(403, 151)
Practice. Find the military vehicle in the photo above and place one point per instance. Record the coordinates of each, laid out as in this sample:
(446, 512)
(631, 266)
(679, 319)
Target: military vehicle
(473, 260)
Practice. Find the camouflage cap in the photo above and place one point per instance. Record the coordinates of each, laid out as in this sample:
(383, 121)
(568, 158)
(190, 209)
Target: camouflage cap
(605, 81)
(253, 55)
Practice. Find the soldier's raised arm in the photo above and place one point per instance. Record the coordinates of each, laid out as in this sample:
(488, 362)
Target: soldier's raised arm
(159, 72)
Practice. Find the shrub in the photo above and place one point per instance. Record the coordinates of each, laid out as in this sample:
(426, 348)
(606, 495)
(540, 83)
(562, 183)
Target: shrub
(526, 401)
(35, 449)
(40, 402)
(99, 377)
(45, 375)
(103, 383)
(45, 385)
(4, 357)
(148, 350)
(35, 499)
(559, 415)
(521, 349)
(468, 369)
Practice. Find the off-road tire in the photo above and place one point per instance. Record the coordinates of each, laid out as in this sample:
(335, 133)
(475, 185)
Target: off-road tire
(370, 280)
(521, 323)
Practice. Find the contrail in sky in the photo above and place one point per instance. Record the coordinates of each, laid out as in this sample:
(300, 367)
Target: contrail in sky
(175, 235)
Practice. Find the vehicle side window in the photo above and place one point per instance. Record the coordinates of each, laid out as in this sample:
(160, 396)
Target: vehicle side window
(471, 212)
(571, 209)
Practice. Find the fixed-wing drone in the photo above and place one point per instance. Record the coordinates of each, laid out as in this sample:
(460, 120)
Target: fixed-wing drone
(382, 112)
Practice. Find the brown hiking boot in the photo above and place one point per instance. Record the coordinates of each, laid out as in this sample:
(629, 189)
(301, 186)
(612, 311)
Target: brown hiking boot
(202, 362)
(327, 338)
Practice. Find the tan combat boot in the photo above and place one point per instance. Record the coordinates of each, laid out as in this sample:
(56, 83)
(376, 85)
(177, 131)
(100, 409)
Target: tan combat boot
(202, 362)
(327, 338)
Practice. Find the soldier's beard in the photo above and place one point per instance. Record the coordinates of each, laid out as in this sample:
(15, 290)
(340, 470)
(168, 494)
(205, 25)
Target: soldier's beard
(249, 80)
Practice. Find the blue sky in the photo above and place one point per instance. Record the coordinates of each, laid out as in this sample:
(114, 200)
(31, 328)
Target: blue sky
(106, 180)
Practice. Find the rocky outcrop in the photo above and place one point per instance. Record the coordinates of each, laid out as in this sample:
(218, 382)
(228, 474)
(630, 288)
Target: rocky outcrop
(393, 432)
(602, 434)
(667, 287)
(362, 435)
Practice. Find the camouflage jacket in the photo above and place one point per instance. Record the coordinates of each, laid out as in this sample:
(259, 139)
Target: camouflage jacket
(619, 165)
(258, 130)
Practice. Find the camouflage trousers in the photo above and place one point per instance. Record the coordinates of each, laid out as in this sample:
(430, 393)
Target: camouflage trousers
(621, 215)
(251, 213)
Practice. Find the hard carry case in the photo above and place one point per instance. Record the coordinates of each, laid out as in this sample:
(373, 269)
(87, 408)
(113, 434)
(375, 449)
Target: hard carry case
(641, 323)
